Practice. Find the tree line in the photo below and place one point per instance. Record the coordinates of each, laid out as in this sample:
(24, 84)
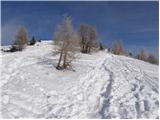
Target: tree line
(70, 41)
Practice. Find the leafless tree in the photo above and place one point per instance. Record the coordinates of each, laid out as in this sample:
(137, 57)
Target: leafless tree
(142, 55)
(117, 48)
(88, 37)
(152, 59)
(21, 39)
(67, 41)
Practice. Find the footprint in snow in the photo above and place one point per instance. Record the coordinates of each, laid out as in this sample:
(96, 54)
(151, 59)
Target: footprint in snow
(5, 99)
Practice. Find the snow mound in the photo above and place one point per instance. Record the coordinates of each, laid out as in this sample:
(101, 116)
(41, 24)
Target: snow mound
(103, 85)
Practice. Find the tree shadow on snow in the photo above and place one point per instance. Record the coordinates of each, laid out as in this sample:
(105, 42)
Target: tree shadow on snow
(47, 62)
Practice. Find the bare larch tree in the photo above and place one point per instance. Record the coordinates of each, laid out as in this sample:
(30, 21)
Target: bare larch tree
(67, 41)
(21, 39)
(142, 55)
(88, 36)
(117, 48)
(152, 59)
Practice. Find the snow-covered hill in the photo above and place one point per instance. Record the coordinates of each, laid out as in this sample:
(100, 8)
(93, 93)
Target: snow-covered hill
(103, 85)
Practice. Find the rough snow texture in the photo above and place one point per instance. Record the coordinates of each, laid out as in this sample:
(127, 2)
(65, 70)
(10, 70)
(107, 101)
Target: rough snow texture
(103, 85)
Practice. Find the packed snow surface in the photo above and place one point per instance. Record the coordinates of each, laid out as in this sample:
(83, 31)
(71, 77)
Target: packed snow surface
(102, 85)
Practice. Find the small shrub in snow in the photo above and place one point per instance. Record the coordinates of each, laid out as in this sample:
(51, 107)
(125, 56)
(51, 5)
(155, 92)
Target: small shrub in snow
(13, 48)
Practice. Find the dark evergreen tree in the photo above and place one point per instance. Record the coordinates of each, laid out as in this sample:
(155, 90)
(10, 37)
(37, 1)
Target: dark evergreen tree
(33, 41)
(130, 54)
(100, 46)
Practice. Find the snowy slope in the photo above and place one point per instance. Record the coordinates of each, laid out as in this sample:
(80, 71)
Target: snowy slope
(103, 85)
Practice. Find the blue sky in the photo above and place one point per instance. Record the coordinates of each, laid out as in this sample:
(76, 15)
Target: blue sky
(135, 24)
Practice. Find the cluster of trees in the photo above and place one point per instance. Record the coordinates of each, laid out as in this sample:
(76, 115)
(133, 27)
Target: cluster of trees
(21, 40)
(142, 55)
(66, 38)
(69, 41)
(118, 49)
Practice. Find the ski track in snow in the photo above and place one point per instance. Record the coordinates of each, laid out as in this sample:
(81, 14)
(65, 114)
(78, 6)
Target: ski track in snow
(137, 80)
(110, 87)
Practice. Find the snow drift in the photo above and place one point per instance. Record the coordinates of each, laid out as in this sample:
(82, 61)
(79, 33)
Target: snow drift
(103, 85)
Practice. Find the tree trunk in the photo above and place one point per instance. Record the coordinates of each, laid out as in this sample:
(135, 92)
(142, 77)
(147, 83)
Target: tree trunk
(86, 49)
(60, 58)
(59, 62)
(89, 49)
(82, 48)
(64, 60)
(83, 44)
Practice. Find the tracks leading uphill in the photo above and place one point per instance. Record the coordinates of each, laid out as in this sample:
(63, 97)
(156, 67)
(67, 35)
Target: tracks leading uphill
(115, 88)
(131, 92)
(104, 111)
(104, 86)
